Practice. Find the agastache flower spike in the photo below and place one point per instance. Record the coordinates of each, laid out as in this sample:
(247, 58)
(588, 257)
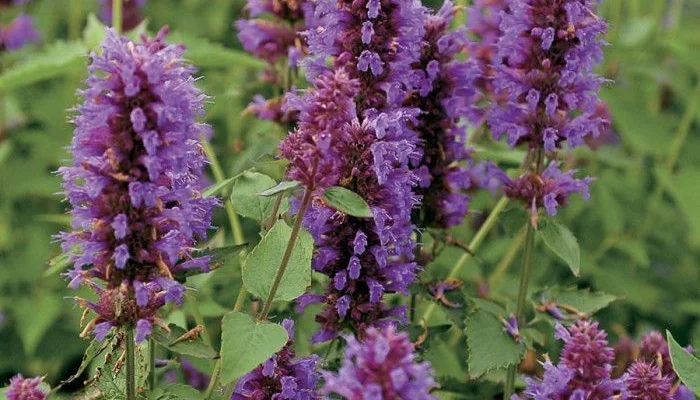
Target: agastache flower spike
(22, 388)
(382, 366)
(281, 376)
(545, 61)
(645, 381)
(131, 13)
(135, 182)
(373, 43)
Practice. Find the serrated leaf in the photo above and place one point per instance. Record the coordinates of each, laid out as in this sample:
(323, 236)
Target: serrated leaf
(246, 343)
(195, 347)
(245, 199)
(347, 201)
(687, 366)
(281, 187)
(261, 265)
(583, 300)
(205, 53)
(57, 59)
(489, 347)
(91, 353)
(562, 242)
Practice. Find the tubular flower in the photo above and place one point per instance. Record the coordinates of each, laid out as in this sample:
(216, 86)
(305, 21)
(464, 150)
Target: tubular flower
(135, 182)
(131, 13)
(373, 43)
(645, 381)
(584, 367)
(444, 93)
(550, 189)
(281, 376)
(545, 59)
(22, 388)
(18, 33)
(382, 366)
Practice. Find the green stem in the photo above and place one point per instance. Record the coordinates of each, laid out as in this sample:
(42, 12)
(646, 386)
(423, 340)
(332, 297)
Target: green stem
(130, 365)
(473, 246)
(117, 15)
(152, 364)
(500, 270)
(214, 379)
(287, 255)
(522, 296)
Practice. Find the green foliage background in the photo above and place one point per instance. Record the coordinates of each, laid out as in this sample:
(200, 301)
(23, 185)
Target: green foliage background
(639, 234)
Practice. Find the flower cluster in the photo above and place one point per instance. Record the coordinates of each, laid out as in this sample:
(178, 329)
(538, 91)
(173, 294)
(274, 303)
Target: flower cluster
(281, 376)
(584, 369)
(373, 45)
(131, 13)
(483, 23)
(22, 388)
(382, 366)
(273, 34)
(444, 92)
(20, 31)
(545, 59)
(135, 182)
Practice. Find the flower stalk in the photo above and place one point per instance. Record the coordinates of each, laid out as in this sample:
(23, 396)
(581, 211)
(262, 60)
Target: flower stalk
(130, 365)
(117, 7)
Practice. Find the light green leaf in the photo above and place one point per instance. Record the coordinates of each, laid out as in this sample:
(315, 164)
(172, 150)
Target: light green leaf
(56, 60)
(687, 194)
(220, 187)
(58, 264)
(347, 201)
(687, 366)
(245, 199)
(489, 347)
(204, 53)
(246, 343)
(281, 187)
(583, 300)
(190, 347)
(31, 324)
(94, 32)
(562, 242)
(261, 265)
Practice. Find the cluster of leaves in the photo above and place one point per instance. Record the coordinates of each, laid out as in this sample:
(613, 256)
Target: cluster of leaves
(636, 240)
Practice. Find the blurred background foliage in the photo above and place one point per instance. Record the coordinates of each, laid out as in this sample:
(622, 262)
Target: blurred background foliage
(639, 233)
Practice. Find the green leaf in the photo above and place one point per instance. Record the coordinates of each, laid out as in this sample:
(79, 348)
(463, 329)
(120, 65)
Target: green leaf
(94, 32)
(176, 391)
(56, 60)
(204, 53)
(34, 316)
(245, 199)
(282, 187)
(347, 201)
(687, 194)
(562, 242)
(220, 187)
(687, 366)
(583, 300)
(58, 264)
(91, 353)
(195, 348)
(220, 255)
(246, 343)
(489, 346)
(261, 265)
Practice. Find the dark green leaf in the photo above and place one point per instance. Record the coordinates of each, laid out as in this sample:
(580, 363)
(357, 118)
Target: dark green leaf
(190, 347)
(347, 201)
(489, 347)
(562, 242)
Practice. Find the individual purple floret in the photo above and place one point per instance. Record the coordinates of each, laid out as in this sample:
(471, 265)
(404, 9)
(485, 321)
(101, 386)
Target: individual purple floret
(382, 366)
(134, 185)
(444, 91)
(550, 190)
(510, 326)
(281, 377)
(584, 367)
(131, 13)
(545, 61)
(22, 388)
(374, 43)
(645, 381)
(18, 33)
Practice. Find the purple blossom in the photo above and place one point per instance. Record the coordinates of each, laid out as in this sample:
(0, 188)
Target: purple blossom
(550, 189)
(22, 388)
(645, 381)
(369, 149)
(510, 326)
(193, 377)
(135, 181)
(653, 348)
(131, 13)
(382, 366)
(265, 39)
(444, 93)
(18, 33)
(544, 63)
(281, 376)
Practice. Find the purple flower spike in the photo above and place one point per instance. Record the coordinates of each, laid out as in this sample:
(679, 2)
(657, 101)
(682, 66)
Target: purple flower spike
(382, 366)
(645, 381)
(135, 182)
(544, 68)
(18, 33)
(22, 388)
(282, 376)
